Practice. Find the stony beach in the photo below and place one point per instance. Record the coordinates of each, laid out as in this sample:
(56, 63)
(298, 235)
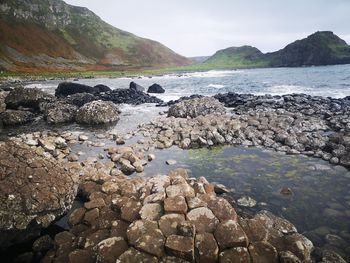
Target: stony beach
(126, 217)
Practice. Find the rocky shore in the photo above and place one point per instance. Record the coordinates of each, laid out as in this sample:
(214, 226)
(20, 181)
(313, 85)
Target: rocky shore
(162, 218)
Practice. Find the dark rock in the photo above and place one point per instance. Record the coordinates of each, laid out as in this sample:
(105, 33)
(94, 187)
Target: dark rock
(27, 98)
(235, 255)
(136, 87)
(155, 88)
(43, 244)
(129, 96)
(80, 99)
(180, 246)
(98, 112)
(40, 192)
(68, 88)
(16, 117)
(206, 248)
(3, 95)
(60, 112)
(230, 234)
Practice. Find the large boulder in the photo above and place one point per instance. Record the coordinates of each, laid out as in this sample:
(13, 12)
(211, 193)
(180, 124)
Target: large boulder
(3, 95)
(129, 96)
(27, 98)
(196, 107)
(34, 191)
(137, 87)
(68, 88)
(98, 112)
(80, 99)
(16, 117)
(60, 112)
(155, 88)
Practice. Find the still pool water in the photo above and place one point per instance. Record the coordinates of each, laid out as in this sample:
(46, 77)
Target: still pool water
(319, 205)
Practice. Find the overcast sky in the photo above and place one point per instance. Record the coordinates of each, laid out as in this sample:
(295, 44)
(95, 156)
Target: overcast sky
(201, 27)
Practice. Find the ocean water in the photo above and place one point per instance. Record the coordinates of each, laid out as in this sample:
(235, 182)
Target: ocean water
(327, 81)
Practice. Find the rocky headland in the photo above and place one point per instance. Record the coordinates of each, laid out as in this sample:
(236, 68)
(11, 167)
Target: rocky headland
(161, 218)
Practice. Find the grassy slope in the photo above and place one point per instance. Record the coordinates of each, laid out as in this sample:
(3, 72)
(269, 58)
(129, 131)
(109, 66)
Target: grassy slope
(60, 30)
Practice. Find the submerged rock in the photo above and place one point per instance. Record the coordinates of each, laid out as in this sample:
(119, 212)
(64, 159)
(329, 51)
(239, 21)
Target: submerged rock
(34, 191)
(98, 112)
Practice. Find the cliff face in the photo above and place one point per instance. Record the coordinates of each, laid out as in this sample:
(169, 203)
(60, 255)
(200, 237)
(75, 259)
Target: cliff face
(50, 35)
(320, 48)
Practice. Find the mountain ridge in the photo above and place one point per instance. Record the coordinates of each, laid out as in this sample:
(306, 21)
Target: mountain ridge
(319, 48)
(52, 35)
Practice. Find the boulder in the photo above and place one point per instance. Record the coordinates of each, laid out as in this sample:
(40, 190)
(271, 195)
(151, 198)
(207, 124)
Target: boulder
(136, 87)
(155, 88)
(60, 112)
(206, 248)
(27, 98)
(129, 96)
(34, 191)
(204, 219)
(196, 107)
(98, 112)
(80, 99)
(16, 117)
(68, 88)
(180, 246)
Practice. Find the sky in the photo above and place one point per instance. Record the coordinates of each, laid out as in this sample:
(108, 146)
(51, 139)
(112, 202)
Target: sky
(201, 27)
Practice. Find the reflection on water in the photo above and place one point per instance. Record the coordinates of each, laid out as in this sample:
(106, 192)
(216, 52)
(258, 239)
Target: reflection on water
(320, 201)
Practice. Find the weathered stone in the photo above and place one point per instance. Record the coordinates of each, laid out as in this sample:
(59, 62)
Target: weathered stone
(168, 223)
(230, 234)
(98, 112)
(186, 229)
(204, 219)
(134, 256)
(206, 248)
(110, 249)
(180, 246)
(263, 252)
(81, 256)
(43, 244)
(175, 204)
(16, 117)
(41, 191)
(222, 209)
(27, 98)
(288, 257)
(76, 216)
(235, 255)
(152, 211)
(180, 189)
(130, 210)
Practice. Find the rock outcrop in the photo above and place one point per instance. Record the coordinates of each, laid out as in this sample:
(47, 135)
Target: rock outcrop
(98, 112)
(135, 86)
(16, 117)
(131, 225)
(26, 98)
(60, 112)
(196, 107)
(65, 89)
(129, 96)
(34, 191)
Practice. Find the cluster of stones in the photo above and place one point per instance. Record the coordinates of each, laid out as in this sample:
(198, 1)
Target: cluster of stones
(279, 129)
(170, 218)
(34, 191)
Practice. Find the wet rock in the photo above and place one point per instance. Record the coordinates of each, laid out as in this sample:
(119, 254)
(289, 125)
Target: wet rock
(81, 256)
(68, 88)
(288, 257)
(286, 191)
(98, 112)
(16, 117)
(204, 219)
(331, 257)
(196, 107)
(41, 191)
(155, 88)
(60, 112)
(80, 99)
(43, 244)
(206, 248)
(180, 246)
(246, 201)
(27, 98)
(230, 234)
(3, 95)
(220, 189)
(170, 162)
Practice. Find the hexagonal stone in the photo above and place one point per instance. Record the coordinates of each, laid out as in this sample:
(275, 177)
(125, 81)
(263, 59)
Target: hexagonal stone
(96, 237)
(204, 219)
(152, 242)
(206, 248)
(81, 256)
(168, 223)
(95, 203)
(263, 252)
(169, 259)
(91, 216)
(138, 228)
(132, 255)
(180, 246)
(235, 255)
(175, 204)
(195, 202)
(152, 211)
(186, 229)
(222, 209)
(110, 249)
(119, 228)
(230, 234)
(182, 189)
(255, 229)
(130, 211)
(76, 216)
(288, 257)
